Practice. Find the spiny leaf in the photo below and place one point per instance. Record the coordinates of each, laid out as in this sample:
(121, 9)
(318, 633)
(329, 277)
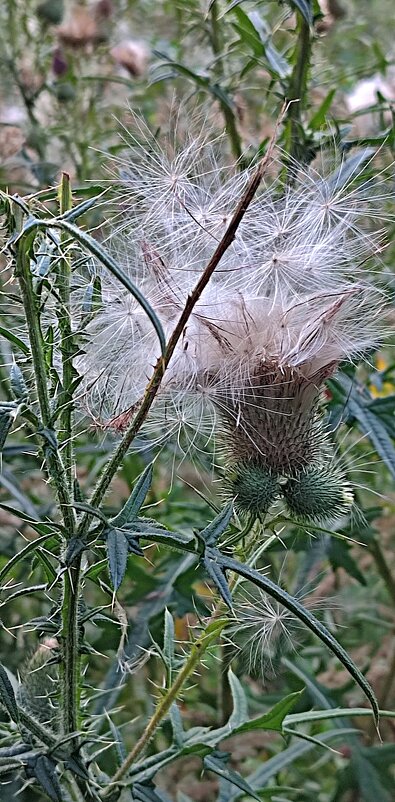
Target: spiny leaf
(339, 555)
(135, 500)
(215, 528)
(217, 575)
(43, 769)
(157, 534)
(336, 712)
(85, 507)
(117, 552)
(259, 778)
(274, 718)
(359, 405)
(41, 527)
(82, 208)
(7, 696)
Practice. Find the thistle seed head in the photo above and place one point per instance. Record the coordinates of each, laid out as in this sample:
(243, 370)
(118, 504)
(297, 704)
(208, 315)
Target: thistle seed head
(290, 299)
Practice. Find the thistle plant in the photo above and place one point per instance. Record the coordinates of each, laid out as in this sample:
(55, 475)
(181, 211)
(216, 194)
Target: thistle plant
(223, 312)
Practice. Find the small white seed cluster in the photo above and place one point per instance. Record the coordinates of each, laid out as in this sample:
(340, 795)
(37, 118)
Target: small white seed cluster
(290, 299)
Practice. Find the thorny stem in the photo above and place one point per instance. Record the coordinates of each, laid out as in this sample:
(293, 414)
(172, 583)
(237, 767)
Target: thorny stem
(211, 631)
(162, 363)
(198, 649)
(58, 475)
(297, 92)
(54, 463)
(228, 113)
(71, 663)
(65, 399)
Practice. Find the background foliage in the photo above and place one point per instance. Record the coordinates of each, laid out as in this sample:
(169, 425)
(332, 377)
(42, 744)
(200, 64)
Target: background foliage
(70, 76)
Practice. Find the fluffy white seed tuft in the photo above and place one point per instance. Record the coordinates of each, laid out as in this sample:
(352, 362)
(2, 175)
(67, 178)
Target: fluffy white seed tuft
(289, 301)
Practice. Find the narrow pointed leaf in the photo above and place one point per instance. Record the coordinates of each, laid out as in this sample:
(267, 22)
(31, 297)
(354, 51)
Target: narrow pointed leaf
(350, 168)
(117, 552)
(259, 778)
(118, 744)
(105, 258)
(240, 707)
(44, 771)
(216, 765)
(274, 718)
(7, 696)
(217, 575)
(7, 418)
(12, 338)
(135, 500)
(168, 643)
(305, 8)
(215, 528)
(147, 792)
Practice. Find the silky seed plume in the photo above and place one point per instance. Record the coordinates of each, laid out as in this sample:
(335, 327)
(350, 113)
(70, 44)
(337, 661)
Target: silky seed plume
(289, 301)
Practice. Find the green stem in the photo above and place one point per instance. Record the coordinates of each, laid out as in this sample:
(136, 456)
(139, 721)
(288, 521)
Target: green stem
(65, 400)
(296, 94)
(70, 673)
(70, 636)
(198, 649)
(71, 662)
(55, 466)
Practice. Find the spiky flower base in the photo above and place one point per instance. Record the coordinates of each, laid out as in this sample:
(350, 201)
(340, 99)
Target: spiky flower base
(254, 488)
(316, 493)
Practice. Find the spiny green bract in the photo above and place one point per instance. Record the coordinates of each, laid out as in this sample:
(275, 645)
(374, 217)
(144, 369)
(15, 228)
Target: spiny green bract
(318, 493)
(255, 488)
(315, 493)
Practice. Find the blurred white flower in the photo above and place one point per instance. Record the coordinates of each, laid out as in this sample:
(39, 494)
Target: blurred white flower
(263, 631)
(288, 302)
